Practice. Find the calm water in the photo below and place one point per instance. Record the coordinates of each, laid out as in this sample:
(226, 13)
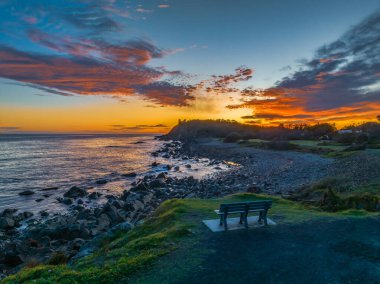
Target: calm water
(36, 162)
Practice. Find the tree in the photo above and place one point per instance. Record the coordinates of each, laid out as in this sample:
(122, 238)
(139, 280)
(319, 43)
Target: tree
(378, 117)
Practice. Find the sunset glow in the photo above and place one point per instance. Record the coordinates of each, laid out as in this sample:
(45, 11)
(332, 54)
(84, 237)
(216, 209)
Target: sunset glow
(116, 66)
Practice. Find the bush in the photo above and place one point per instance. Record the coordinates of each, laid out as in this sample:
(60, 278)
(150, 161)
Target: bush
(57, 259)
(232, 138)
(281, 145)
(345, 138)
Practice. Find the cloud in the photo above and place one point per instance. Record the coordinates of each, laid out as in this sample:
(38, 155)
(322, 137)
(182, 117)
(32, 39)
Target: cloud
(163, 6)
(339, 81)
(93, 68)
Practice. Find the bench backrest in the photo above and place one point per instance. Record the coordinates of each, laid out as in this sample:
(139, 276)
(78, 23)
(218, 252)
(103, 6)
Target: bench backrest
(246, 206)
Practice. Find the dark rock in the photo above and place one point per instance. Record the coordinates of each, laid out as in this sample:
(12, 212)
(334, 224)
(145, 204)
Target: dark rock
(131, 174)
(101, 181)
(8, 211)
(80, 201)
(75, 192)
(188, 166)
(162, 175)
(7, 223)
(78, 243)
(12, 259)
(44, 213)
(254, 189)
(67, 201)
(50, 188)
(155, 164)
(94, 195)
(103, 222)
(39, 199)
(26, 192)
(176, 168)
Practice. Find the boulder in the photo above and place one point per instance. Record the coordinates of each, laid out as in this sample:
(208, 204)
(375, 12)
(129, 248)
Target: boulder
(131, 174)
(26, 192)
(12, 259)
(101, 181)
(67, 201)
(103, 222)
(94, 195)
(75, 192)
(50, 188)
(7, 223)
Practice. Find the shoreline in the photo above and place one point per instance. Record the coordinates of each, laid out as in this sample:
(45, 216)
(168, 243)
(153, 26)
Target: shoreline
(26, 238)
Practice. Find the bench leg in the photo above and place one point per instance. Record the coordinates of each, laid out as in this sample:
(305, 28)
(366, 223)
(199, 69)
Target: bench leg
(241, 218)
(265, 218)
(260, 217)
(221, 220)
(246, 220)
(225, 221)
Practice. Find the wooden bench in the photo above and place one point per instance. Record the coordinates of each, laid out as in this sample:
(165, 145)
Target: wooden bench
(244, 208)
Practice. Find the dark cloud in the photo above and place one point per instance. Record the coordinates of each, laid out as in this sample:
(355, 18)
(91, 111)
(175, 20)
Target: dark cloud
(342, 75)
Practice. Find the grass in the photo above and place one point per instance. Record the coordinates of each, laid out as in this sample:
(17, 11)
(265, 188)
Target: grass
(175, 224)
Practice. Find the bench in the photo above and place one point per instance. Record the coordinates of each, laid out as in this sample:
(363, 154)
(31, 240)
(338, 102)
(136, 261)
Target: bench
(244, 208)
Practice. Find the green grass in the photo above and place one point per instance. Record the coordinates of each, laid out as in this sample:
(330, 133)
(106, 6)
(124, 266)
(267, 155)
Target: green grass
(176, 223)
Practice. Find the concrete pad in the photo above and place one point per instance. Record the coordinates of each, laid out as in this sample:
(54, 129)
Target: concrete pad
(233, 224)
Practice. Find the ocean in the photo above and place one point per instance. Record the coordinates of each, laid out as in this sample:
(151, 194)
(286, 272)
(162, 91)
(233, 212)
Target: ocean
(37, 162)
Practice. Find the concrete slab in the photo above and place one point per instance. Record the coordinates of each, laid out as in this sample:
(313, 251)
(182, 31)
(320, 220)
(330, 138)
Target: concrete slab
(233, 224)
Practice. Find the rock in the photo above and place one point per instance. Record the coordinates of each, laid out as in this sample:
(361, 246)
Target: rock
(103, 222)
(12, 259)
(78, 243)
(254, 189)
(190, 195)
(94, 195)
(101, 181)
(26, 192)
(8, 211)
(75, 192)
(45, 241)
(80, 201)
(155, 164)
(27, 214)
(67, 201)
(125, 227)
(44, 213)
(39, 199)
(169, 167)
(7, 223)
(131, 174)
(176, 168)
(188, 166)
(162, 175)
(50, 188)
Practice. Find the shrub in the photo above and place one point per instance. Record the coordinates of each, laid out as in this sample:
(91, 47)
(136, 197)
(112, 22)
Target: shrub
(280, 145)
(232, 138)
(57, 259)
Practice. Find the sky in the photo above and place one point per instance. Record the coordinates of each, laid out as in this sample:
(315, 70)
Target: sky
(139, 66)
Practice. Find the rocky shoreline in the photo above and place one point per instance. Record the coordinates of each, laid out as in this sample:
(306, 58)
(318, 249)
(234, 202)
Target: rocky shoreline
(27, 239)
